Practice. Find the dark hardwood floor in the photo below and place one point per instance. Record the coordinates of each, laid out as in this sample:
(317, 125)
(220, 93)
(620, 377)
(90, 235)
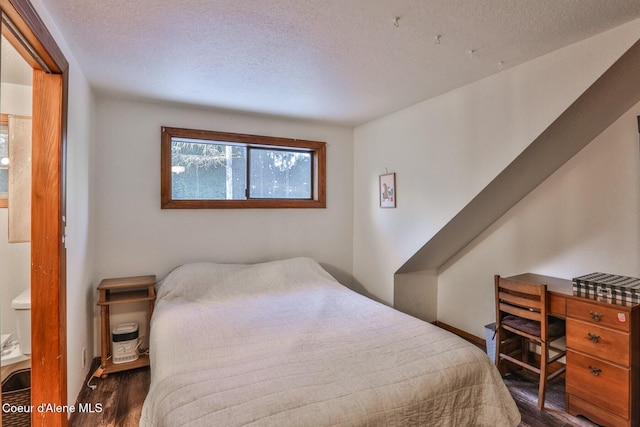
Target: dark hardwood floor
(524, 390)
(116, 400)
(121, 396)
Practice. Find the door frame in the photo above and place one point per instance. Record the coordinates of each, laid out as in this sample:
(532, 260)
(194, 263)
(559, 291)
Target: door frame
(48, 211)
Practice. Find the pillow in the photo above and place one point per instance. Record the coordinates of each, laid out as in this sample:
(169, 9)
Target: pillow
(209, 280)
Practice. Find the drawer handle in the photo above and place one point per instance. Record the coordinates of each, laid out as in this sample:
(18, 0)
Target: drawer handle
(595, 371)
(593, 337)
(595, 316)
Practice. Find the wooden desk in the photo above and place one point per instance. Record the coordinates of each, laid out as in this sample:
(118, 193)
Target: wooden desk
(558, 290)
(603, 353)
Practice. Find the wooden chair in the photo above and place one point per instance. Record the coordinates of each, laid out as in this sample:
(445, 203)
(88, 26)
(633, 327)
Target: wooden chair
(522, 319)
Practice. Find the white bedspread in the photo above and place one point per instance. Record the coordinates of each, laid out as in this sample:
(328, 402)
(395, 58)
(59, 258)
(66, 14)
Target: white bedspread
(284, 344)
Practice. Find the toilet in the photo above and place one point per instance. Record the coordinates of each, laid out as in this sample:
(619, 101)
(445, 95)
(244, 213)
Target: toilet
(16, 351)
(22, 305)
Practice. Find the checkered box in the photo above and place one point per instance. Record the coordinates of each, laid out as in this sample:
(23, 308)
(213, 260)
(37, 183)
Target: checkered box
(608, 287)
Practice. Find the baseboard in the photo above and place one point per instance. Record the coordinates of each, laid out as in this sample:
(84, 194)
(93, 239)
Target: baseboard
(480, 342)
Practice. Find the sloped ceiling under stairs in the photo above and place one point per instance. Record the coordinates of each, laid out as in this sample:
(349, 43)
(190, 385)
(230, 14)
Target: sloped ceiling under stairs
(613, 94)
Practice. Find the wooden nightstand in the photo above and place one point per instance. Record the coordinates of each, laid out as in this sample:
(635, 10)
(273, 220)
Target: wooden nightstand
(122, 290)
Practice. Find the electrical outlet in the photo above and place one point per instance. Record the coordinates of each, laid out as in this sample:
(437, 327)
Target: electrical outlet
(84, 357)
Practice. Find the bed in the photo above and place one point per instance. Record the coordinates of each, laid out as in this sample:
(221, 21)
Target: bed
(284, 344)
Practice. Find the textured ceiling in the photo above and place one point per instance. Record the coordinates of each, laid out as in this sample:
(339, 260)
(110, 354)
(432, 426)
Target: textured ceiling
(342, 61)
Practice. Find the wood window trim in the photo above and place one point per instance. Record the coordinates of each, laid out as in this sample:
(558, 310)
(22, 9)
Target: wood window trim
(319, 171)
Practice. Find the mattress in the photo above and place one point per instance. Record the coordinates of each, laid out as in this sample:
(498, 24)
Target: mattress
(284, 344)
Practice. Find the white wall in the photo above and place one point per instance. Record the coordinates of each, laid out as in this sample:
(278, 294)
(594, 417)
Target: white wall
(80, 234)
(15, 99)
(134, 236)
(582, 219)
(445, 150)
(15, 258)
(80, 221)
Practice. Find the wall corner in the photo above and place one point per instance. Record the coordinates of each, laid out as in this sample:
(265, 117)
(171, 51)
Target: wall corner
(416, 294)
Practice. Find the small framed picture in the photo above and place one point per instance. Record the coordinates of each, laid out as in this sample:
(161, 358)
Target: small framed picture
(388, 190)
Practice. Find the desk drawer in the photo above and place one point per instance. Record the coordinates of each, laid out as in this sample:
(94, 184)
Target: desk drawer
(616, 317)
(577, 406)
(598, 382)
(600, 342)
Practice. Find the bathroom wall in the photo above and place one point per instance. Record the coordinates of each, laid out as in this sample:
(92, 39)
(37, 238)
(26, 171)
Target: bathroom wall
(15, 261)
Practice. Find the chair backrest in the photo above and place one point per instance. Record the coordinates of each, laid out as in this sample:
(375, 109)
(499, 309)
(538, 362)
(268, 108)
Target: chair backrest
(524, 300)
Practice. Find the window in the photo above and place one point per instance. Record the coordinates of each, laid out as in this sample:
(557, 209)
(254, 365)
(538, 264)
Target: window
(208, 169)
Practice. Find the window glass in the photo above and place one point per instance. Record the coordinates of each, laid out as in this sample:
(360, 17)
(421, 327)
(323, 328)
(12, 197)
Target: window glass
(280, 174)
(207, 171)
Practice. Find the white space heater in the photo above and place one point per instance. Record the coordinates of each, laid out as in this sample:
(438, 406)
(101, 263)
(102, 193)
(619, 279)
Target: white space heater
(124, 343)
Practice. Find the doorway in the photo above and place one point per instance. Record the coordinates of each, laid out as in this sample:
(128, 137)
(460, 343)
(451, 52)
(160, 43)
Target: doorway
(15, 222)
(26, 32)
